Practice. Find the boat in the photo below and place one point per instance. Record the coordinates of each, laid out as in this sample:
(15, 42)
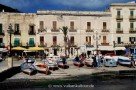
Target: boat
(28, 67)
(124, 60)
(88, 62)
(109, 61)
(51, 62)
(62, 64)
(78, 63)
(42, 67)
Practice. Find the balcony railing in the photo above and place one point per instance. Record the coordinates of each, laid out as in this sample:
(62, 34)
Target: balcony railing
(72, 30)
(30, 32)
(55, 30)
(125, 44)
(105, 44)
(119, 17)
(105, 30)
(17, 32)
(119, 30)
(132, 18)
(2, 33)
(89, 30)
(132, 30)
(41, 30)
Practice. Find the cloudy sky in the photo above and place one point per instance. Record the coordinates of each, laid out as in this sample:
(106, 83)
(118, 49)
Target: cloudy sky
(34, 5)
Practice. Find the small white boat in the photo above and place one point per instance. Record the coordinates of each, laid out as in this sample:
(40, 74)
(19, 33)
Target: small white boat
(124, 60)
(51, 61)
(88, 62)
(110, 61)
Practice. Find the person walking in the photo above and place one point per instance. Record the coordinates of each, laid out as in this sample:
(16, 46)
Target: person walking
(132, 62)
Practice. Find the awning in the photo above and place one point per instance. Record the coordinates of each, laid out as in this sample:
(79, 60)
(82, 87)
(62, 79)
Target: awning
(120, 48)
(35, 48)
(110, 48)
(19, 48)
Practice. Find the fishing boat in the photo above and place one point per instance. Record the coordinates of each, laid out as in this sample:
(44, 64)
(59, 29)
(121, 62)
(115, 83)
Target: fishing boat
(42, 67)
(28, 67)
(62, 63)
(51, 61)
(124, 60)
(88, 62)
(109, 61)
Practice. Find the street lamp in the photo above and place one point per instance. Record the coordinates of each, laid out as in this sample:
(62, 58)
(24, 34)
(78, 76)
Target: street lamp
(10, 32)
(96, 37)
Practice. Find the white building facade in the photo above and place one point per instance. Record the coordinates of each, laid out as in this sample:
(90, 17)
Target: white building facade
(95, 30)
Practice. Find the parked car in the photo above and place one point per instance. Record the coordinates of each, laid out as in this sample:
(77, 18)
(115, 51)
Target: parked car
(110, 61)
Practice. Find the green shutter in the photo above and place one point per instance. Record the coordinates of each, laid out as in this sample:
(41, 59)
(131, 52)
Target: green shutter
(118, 25)
(131, 25)
(131, 13)
(16, 42)
(31, 42)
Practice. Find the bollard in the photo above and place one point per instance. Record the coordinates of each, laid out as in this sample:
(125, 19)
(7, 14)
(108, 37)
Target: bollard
(10, 62)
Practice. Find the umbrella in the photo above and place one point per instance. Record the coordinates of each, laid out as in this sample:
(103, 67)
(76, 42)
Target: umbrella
(35, 48)
(19, 48)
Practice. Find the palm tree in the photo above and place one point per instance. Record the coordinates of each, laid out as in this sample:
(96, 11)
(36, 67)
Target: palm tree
(65, 32)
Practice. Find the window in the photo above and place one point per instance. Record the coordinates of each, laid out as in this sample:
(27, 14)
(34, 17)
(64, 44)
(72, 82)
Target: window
(118, 25)
(104, 25)
(88, 39)
(72, 25)
(119, 40)
(132, 39)
(54, 25)
(54, 40)
(41, 24)
(16, 27)
(0, 28)
(31, 28)
(131, 13)
(72, 40)
(118, 12)
(104, 39)
(131, 25)
(41, 39)
(88, 25)
(1, 40)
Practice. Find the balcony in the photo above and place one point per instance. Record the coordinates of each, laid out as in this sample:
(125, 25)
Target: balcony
(132, 30)
(119, 31)
(55, 30)
(41, 30)
(88, 44)
(119, 17)
(17, 32)
(89, 30)
(105, 44)
(132, 18)
(31, 32)
(105, 30)
(2, 33)
(130, 44)
(72, 30)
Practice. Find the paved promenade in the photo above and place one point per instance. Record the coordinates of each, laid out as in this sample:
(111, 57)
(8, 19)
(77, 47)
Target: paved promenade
(72, 71)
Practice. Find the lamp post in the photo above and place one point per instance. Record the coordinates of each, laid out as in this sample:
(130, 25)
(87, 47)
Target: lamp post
(10, 32)
(96, 37)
